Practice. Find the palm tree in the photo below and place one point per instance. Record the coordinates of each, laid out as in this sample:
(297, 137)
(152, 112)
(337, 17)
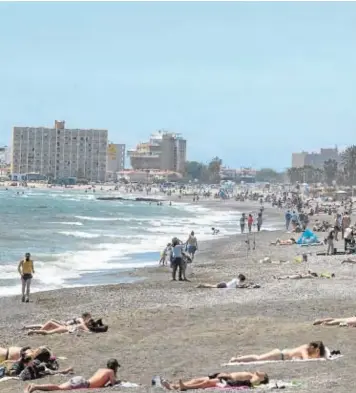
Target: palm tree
(349, 164)
(330, 171)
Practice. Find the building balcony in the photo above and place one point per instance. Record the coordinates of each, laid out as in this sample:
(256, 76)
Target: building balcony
(136, 154)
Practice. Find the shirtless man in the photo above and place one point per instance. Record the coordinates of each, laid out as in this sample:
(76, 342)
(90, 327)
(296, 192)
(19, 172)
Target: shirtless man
(102, 378)
(223, 379)
(313, 350)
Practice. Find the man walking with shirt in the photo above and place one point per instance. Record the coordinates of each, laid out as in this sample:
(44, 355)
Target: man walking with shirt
(177, 259)
(26, 270)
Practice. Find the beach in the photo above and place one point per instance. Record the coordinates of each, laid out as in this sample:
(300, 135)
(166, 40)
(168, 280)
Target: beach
(176, 330)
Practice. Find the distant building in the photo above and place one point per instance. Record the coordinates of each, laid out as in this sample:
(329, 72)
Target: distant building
(314, 159)
(149, 176)
(115, 160)
(3, 155)
(59, 152)
(4, 160)
(247, 175)
(164, 151)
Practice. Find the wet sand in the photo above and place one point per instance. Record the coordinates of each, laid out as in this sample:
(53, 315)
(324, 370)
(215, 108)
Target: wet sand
(175, 330)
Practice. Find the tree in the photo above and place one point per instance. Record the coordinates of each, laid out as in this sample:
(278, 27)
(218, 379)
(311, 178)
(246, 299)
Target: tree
(349, 163)
(330, 171)
(268, 175)
(295, 175)
(196, 170)
(214, 168)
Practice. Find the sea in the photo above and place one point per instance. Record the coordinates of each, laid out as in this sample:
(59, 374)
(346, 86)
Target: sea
(77, 240)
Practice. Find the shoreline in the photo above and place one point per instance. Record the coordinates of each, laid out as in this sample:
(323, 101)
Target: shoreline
(133, 274)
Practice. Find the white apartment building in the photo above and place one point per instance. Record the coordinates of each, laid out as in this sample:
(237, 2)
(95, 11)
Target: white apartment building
(59, 152)
(164, 151)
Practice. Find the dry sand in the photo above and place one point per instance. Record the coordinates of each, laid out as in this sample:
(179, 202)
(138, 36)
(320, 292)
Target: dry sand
(178, 331)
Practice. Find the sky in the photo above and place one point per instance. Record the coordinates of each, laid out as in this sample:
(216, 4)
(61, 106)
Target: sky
(248, 82)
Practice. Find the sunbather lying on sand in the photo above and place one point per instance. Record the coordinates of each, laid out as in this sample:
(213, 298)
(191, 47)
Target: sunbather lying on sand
(239, 282)
(309, 274)
(13, 353)
(220, 379)
(103, 377)
(349, 260)
(53, 327)
(86, 324)
(351, 321)
(54, 324)
(287, 242)
(314, 350)
(33, 363)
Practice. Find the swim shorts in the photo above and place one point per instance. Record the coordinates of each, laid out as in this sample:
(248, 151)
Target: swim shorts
(192, 249)
(79, 383)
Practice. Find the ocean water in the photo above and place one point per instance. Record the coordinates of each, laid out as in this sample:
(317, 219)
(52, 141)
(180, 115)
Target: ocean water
(77, 240)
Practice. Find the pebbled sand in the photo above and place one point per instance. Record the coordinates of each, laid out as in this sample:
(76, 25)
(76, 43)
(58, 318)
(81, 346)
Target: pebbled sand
(178, 331)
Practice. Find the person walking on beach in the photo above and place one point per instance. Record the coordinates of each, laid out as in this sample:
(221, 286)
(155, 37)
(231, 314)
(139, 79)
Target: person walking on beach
(288, 217)
(345, 223)
(177, 259)
(337, 226)
(330, 242)
(192, 245)
(250, 222)
(259, 221)
(26, 270)
(242, 222)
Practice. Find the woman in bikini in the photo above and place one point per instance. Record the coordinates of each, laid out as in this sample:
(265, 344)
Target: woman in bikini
(54, 324)
(220, 379)
(313, 350)
(287, 242)
(53, 327)
(13, 353)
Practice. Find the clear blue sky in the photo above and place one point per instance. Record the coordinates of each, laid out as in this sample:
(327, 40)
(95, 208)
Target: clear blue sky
(249, 82)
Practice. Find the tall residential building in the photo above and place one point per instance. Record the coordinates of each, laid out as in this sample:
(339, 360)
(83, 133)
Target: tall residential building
(59, 152)
(115, 157)
(314, 159)
(4, 155)
(164, 151)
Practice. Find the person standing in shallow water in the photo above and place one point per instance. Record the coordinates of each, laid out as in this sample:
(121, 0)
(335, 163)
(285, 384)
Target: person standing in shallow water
(242, 222)
(250, 222)
(26, 270)
(259, 221)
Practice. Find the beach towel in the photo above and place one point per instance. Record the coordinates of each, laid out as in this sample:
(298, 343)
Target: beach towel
(312, 244)
(333, 357)
(125, 384)
(272, 385)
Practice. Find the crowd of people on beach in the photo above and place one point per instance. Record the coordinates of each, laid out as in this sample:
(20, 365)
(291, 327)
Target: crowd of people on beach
(30, 364)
